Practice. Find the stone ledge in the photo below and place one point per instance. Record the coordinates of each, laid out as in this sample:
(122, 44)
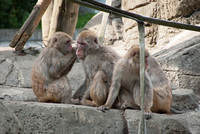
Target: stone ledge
(53, 118)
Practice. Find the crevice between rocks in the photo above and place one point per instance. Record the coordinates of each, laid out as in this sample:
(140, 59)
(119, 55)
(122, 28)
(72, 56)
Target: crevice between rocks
(125, 129)
(138, 6)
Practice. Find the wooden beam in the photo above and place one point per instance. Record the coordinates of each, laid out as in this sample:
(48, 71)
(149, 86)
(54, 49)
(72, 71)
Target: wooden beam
(29, 25)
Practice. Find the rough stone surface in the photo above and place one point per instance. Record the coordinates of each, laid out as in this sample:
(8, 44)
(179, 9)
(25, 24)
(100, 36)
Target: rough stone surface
(9, 123)
(161, 9)
(17, 66)
(76, 75)
(158, 124)
(17, 94)
(34, 117)
(184, 100)
(114, 28)
(181, 64)
(65, 119)
(16, 70)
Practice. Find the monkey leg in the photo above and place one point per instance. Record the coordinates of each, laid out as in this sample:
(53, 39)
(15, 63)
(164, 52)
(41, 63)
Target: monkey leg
(98, 91)
(86, 100)
(59, 90)
(162, 101)
(148, 100)
(127, 100)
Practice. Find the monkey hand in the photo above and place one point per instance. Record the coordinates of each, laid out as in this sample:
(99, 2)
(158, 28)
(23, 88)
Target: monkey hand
(75, 101)
(103, 108)
(147, 114)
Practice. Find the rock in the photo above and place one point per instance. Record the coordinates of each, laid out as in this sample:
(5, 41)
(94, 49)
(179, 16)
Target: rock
(17, 94)
(9, 123)
(76, 76)
(184, 100)
(157, 35)
(65, 119)
(114, 28)
(55, 118)
(158, 124)
(173, 9)
(181, 64)
(16, 70)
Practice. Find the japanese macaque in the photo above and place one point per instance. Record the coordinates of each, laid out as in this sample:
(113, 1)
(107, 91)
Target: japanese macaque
(126, 76)
(49, 72)
(98, 62)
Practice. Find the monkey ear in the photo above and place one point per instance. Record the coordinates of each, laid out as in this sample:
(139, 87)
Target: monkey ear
(96, 40)
(54, 39)
(133, 53)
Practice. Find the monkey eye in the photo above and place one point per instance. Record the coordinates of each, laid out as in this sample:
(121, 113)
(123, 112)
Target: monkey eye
(68, 41)
(82, 43)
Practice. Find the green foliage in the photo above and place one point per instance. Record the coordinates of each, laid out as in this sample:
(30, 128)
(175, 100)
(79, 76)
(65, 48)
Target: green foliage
(13, 13)
(83, 19)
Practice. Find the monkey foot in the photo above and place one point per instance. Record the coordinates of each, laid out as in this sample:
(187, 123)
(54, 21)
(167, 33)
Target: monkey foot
(103, 108)
(148, 114)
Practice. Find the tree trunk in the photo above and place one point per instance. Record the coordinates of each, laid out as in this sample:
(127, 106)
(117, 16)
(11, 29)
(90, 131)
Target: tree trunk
(54, 18)
(64, 18)
(68, 17)
(30, 25)
(46, 22)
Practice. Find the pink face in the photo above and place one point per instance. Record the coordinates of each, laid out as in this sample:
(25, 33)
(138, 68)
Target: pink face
(80, 49)
(69, 46)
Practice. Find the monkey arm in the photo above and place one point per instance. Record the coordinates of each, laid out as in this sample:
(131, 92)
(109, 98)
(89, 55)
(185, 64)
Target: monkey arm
(148, 96)
(81, 90)
(114, 89)
(62, 66)
(148, 89)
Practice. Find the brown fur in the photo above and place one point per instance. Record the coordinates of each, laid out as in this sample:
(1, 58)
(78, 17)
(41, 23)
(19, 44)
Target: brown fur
(98, 62)
(49, 72)
(126, 76)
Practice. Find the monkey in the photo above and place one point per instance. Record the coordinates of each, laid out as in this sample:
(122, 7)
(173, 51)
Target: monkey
(49, 72)
(126, 76)
(162, 99)
(98, 62)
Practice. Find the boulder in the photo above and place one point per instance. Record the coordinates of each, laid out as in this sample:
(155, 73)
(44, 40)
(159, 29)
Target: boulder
(184, 100)
(157, 35)
(181, 64)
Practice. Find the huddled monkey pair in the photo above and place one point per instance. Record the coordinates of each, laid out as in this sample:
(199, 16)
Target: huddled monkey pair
(111, 81)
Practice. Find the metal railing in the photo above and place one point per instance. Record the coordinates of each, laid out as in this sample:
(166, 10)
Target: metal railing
(141, 28)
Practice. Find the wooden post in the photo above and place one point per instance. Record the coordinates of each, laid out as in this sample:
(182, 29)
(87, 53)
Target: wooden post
(30, 25)
(104, 24)
(54, 18)
(141, 29)
(46, 22)
(64, 18)
(68, 17)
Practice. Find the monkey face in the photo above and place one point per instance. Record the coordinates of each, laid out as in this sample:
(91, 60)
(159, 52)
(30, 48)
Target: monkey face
(81, 46)
(86, 42)
(64, 45)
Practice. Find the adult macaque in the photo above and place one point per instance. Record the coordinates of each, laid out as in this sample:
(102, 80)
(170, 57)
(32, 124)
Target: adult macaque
(126, 76)
(49, 72)
(98, 62)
